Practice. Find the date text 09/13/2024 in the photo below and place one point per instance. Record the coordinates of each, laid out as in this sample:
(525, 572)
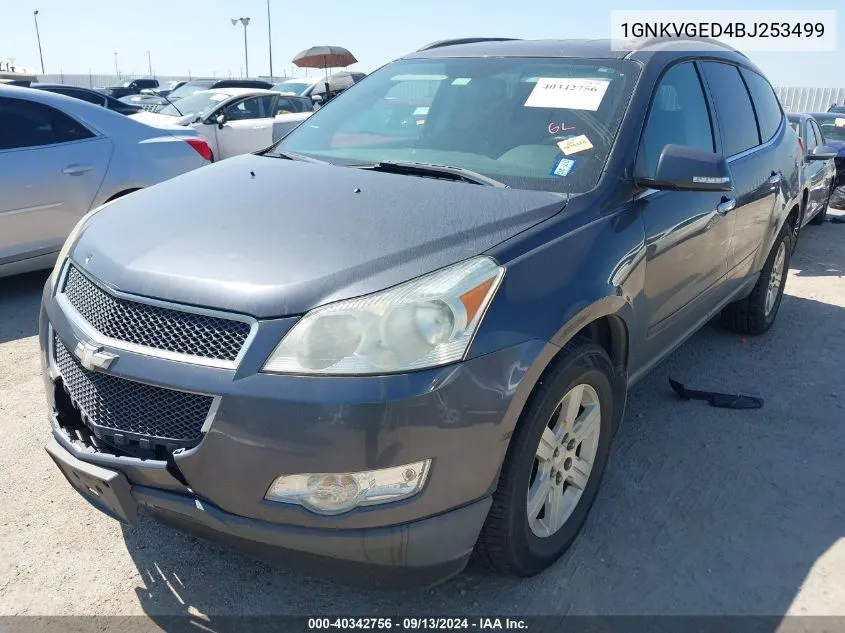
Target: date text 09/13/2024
(417, 623)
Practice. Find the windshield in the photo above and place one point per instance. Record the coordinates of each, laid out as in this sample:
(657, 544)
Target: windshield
(197, 105)
(186, 90)
(291, 88)
(530, 123)
(833, 129)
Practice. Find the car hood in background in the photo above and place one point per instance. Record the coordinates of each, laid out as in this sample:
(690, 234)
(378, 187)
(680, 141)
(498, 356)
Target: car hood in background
(161, 120)
(839, 146)
(143, 99)
(273, 237)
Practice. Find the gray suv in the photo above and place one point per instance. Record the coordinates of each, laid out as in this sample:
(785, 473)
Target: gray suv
(407, 330)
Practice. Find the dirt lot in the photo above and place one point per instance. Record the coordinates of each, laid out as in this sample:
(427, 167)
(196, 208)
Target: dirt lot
(702, 511)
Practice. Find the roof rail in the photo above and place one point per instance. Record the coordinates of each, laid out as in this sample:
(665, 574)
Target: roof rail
(656, 42)
(463, 40)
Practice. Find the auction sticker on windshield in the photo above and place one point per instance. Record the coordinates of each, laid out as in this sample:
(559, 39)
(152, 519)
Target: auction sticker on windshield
(839, 122)
(575, 144)
(574, 94)
(563, 167)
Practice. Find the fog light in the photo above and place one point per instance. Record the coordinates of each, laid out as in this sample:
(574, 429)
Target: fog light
(334, 493)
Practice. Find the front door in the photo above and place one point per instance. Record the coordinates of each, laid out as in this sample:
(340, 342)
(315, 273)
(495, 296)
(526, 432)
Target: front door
(248, 127)
(687, 235)
(51, 168)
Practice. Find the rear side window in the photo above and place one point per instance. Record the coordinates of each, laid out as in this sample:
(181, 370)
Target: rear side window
(766, 105)
(678, 115)
(84, 96)
(30, 124)
(733, 108)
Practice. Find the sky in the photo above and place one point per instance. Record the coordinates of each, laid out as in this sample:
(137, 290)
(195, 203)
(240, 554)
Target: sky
(82, 36)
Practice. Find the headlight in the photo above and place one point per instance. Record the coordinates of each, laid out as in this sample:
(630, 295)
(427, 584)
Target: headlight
(71, 240)
(426, 322)
(334, 493)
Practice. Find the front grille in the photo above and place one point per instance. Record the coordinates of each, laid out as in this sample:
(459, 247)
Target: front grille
(150, 107)
(126, 413)
(153, 326)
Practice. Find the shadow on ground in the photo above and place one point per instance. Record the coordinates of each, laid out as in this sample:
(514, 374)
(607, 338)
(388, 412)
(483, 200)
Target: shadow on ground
(702, 511)
(20, 297)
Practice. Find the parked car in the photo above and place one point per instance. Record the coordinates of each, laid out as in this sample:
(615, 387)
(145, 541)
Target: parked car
(832, 128)
(373, 352)
(89, 95)
(164, 90)
(61, 157)
(233, 120)
(130, 87)
(153, 103)
(837, 108)
(294, 86)
(818, 172)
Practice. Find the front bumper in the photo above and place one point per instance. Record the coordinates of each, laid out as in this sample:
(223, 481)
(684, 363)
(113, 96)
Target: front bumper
(263, 426)
(398, 556)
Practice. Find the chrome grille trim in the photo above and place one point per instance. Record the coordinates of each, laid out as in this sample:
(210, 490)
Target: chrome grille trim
(87, 329)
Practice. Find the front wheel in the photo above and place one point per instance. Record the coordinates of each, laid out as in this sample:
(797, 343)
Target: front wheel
(756, 313)
(554, 465)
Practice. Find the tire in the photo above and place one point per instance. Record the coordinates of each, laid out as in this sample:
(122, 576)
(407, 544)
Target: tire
(509, 541)
(821, 216)
(753, 315)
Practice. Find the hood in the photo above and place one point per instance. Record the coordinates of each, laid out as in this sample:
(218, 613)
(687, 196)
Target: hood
(839, 146)
(160, 120)
(273, 237)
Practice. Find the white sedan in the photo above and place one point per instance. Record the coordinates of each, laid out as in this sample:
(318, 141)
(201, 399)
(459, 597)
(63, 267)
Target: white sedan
(233, 120)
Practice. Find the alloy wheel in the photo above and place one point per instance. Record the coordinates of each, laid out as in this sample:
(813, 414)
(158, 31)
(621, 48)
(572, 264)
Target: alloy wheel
(776, 278)
(563, 460)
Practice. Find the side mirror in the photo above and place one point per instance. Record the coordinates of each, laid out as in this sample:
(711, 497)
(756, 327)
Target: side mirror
(220, 120)
(684, 168)
(822, 152)
(317, 98)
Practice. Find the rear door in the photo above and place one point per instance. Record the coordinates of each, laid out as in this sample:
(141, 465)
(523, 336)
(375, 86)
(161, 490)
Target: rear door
(248, 127)
(747, 133)
(687, 237)
(51, 167)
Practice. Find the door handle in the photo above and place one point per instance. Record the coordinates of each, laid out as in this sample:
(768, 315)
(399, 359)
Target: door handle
(76, 170)
(774, 178)
(726, 206)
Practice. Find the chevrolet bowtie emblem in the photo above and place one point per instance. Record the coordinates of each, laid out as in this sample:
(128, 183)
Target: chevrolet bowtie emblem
(92, 356)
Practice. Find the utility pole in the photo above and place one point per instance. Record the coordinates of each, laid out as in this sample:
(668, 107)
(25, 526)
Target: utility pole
(38, 35)
(243, 21)
(116, 69)
(269, 41)
(150, 63)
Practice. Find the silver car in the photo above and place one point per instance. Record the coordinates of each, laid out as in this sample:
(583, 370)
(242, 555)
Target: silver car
(61, 157)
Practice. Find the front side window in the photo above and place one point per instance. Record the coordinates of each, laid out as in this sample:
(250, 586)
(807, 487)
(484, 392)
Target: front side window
(31, 124)
(678, 115)
(252, 108)
(766, 104)
(530, 123)
(733, 108)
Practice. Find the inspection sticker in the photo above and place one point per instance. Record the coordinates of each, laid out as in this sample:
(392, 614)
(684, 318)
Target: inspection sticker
(563, 167)
(574, 94)
(839, 122)
(461, 81)
(421, 111)
(575, 144)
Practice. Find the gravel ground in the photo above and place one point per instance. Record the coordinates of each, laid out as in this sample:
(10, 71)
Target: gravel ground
(702, 511)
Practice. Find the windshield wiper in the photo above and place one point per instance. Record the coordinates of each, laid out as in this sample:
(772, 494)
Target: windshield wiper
(171, 103)
(437, 171)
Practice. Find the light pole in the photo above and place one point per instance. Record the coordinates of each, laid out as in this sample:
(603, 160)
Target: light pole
(243, 21)
(116, 69)
(269, 41)
(150, 63)
(38, 35)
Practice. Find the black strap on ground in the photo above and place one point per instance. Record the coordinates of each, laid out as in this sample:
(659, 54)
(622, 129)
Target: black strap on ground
(715, 399)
